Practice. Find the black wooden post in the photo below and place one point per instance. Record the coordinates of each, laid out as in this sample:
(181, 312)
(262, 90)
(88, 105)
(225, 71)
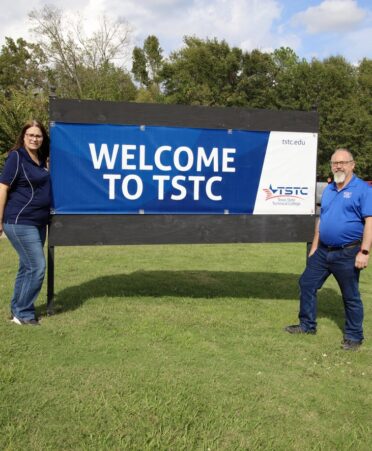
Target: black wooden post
(50, 286)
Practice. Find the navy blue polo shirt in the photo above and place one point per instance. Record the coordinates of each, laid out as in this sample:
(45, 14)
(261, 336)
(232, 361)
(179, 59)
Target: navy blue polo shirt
(342, 212)
(29, 196)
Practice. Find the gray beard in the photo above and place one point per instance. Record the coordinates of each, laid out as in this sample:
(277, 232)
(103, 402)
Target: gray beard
(339, 177)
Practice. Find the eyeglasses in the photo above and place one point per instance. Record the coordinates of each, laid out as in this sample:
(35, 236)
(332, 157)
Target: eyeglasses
(340, 163)
(32, 136)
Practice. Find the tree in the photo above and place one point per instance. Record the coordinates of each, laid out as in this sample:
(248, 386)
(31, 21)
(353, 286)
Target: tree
(107, 82)
(147, 63)
(334, 88)
(16, 109)
(23, 89)
(256, 81)
(139, 68)
(80, 63)
(22, 66)
(202, 73)
(364, 77)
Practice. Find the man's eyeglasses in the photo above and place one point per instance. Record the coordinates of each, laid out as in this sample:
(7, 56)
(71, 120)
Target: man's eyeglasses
(32, 136)
(340, 163)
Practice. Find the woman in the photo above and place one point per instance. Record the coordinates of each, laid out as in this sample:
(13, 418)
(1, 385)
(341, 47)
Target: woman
(24, 214)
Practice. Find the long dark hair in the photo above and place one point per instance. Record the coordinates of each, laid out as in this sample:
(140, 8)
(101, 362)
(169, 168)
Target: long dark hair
(43, 152)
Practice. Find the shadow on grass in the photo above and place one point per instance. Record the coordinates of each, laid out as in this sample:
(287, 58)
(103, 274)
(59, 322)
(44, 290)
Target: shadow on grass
(197, 284)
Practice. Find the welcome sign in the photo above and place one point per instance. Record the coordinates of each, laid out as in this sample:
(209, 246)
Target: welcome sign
(132, 169)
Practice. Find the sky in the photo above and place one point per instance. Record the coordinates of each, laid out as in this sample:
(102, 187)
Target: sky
(312, 28)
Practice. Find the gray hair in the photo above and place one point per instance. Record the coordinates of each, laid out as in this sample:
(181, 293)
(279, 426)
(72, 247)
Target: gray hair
(344, 150)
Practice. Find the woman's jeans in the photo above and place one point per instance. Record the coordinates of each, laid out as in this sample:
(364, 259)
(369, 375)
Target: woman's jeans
(28, 241)
(340, 263)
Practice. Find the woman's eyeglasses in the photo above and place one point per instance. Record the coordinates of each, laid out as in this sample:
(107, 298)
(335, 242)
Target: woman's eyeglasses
(32, 136)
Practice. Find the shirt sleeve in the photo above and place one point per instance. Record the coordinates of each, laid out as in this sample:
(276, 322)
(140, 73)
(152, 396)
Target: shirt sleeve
(11, 169)
(367, 202)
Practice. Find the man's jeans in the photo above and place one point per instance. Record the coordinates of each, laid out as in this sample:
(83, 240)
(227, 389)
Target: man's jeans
(28, 241)
(320, 265)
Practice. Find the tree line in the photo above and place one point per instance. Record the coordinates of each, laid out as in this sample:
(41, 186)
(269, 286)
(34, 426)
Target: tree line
(202, 72)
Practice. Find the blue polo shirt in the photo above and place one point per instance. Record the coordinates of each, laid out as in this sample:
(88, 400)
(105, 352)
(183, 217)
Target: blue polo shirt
(29, 196)
(342, 212)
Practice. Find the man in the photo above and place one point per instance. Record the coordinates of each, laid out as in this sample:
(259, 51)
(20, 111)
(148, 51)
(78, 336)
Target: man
(341, 246)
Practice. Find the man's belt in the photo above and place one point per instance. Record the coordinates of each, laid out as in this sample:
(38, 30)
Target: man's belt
(344, 246)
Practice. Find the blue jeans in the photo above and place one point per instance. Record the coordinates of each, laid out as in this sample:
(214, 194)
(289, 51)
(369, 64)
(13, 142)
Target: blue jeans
(28, 241)
(319, 266)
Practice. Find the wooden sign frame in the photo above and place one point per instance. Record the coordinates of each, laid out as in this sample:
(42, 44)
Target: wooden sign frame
(104, 229)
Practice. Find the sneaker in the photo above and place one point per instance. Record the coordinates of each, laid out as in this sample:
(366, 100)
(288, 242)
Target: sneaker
(25, 322)
(297, 329)
(350, 345)
(15, 320)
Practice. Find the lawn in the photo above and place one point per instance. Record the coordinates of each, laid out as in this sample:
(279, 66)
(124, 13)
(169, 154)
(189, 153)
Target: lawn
(181, 348)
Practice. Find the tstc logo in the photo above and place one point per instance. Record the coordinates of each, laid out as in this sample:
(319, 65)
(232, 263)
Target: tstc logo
(298, 192)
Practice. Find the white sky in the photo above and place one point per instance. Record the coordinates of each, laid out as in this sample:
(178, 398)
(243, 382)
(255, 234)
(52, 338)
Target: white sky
(313, 28)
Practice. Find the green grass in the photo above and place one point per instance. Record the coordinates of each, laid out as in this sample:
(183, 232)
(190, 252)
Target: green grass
(182, 348)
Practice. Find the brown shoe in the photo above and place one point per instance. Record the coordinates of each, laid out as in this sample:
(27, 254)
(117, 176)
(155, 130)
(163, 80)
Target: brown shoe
(351, 345)
(297, 329)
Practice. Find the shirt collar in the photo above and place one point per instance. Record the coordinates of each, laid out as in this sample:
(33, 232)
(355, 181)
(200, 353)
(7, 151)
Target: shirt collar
(350, 184)
(25, 154)
(28, 158)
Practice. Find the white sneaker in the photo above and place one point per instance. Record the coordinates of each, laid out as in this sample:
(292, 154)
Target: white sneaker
(25, 322)
(15, 320)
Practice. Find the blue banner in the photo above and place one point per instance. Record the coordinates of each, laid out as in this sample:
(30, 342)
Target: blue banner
(124, 169)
